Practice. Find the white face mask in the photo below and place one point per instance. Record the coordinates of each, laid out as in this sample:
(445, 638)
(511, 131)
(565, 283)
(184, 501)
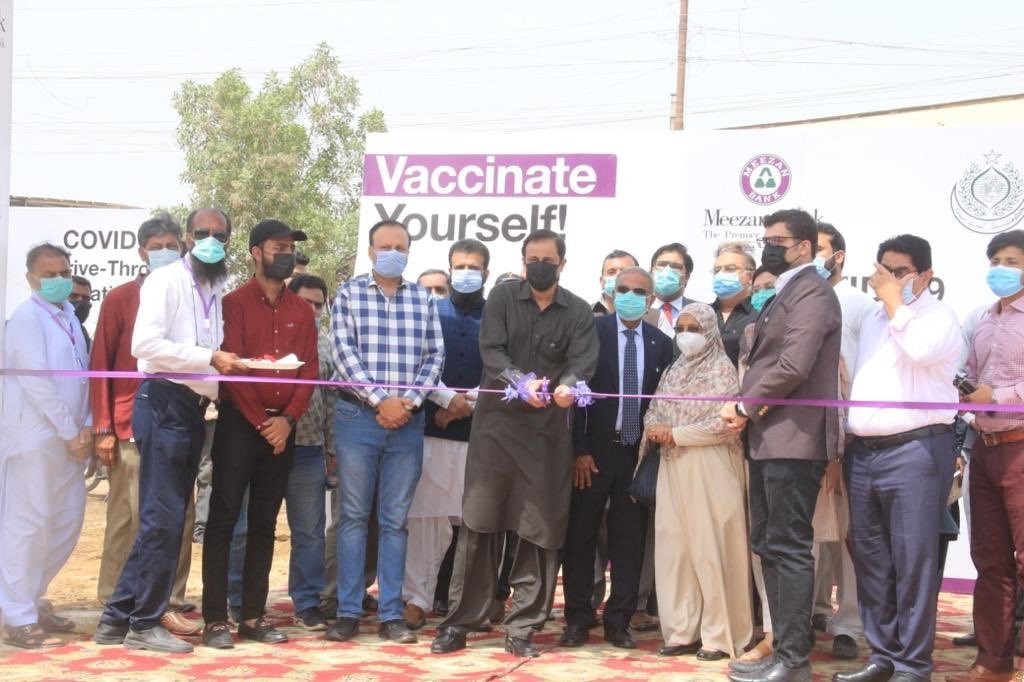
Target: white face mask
(690, 343)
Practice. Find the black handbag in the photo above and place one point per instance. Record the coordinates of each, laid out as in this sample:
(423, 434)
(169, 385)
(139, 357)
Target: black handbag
(645, 480)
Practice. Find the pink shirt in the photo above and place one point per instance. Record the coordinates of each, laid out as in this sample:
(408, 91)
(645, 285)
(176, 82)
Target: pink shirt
(997, 360)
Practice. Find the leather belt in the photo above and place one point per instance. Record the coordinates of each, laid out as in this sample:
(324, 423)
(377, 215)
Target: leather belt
(202, 402)
(617, 440)
(882, 442)
(1002, 437)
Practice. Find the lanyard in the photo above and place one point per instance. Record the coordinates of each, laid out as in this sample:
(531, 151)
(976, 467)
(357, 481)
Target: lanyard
(68, 330)
(207, 305)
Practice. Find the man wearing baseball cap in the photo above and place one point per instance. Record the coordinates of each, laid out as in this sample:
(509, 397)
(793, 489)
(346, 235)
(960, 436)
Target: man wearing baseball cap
(255, 438)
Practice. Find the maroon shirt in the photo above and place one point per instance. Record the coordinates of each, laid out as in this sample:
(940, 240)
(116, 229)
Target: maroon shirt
(254, 328)
(112, 399)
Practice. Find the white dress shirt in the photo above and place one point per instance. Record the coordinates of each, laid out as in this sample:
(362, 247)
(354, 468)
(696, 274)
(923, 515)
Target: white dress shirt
(911, 358)
(174, 332)
(855, 305)
(639, 341)
(783, 279)
(43, 336)
(663, 323)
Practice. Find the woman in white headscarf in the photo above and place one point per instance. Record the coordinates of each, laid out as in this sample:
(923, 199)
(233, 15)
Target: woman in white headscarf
(701, 548)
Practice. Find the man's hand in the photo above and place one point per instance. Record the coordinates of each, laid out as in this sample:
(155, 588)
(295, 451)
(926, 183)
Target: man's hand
(533, 399)
(442, 418)
(81, 446)
(833, 470)
(888, 289)
(106, 450)
(227, 363)
(983, 395)
(276, 431)
(394, 412)
(733, 419)
(459, 407)
(563, 396)
(660, 433)
(584, 468)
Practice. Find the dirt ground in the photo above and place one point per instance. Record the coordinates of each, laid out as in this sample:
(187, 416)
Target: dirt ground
(75, 586)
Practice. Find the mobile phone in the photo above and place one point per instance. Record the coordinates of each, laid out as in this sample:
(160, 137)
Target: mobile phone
(963, 385)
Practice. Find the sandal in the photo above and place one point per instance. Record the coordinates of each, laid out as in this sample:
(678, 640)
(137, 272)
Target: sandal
(51, 622)
(30, 636)
(762, 649)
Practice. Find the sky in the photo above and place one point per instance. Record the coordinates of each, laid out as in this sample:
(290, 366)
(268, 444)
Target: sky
(94, 79)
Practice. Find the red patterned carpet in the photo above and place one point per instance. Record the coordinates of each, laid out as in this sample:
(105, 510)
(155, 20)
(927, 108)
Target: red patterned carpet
(367, 659)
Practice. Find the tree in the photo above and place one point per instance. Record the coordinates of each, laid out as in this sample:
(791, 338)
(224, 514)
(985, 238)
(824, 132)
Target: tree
(292, 151)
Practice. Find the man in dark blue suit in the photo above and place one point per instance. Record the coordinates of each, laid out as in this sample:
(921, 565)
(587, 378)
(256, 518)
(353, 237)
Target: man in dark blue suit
(606, 439)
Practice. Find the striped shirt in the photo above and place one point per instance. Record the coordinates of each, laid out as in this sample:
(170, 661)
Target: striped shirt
(381, 340)
(997, 359)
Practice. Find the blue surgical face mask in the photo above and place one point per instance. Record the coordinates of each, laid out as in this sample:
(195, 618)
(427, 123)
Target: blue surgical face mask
(630, 305)
(761, 298)
(908, 292)
(55, 289)
(609, 287)
(209, 250)
(158, 259)
(467, 281)
(667, 282)
(1004, 281)
(390, 264)
(819, 265)
(726, 284)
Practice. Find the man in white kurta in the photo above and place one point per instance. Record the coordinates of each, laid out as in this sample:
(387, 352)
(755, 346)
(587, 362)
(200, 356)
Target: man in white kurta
(46, 436)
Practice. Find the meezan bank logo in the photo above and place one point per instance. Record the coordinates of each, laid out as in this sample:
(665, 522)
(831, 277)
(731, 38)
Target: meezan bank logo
(989, 198)
(765, 179)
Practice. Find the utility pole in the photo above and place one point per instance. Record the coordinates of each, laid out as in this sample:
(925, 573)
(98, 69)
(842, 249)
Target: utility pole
(680, 98)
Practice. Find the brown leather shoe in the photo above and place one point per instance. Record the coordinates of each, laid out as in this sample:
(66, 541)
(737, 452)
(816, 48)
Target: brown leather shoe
(177, 624)
(979, 673)
(414, 616)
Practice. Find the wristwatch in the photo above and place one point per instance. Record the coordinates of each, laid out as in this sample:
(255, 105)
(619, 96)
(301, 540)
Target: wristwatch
(740, 411)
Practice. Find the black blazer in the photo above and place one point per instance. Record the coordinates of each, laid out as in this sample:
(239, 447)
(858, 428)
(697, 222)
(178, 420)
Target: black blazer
(594, 426)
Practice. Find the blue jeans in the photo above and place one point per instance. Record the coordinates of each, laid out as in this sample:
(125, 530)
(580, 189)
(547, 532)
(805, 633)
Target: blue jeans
(236, 560)
(390, 460)
(304, 502)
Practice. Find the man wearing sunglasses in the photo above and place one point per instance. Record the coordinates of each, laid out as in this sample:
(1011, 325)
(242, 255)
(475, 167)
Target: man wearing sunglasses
(606, 440)
(179, 328)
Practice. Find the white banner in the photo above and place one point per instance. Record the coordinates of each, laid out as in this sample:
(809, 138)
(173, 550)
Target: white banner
(635, 191)
(102, 242)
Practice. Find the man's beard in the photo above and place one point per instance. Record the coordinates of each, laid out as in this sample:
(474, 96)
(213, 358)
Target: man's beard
(209, 273)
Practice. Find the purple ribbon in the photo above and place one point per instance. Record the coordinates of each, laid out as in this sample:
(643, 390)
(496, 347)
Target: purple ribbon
(582, 395)
(520, 390)
(521, 394)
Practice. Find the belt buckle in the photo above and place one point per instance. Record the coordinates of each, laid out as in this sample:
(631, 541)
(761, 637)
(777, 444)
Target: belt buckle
(990, 439)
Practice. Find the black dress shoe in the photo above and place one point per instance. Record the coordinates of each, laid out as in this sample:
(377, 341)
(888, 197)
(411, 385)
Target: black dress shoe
(844, 648)
(396, 631)
(752, 666)
(573, 636)
(970, 639)
(343, 630)
(620, 639)
(262, 631)
(521, 647)
(679, 649)
(218, 636)
(775, 673)
(110, 634)
(869, 673)
(708, 655)
(448, 640)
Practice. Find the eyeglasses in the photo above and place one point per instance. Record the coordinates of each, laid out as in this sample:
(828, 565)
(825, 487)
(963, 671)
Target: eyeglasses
(639, 291)
(900, 273)
(678, 267)
(773, 241)
(731, 269)
(200, 235)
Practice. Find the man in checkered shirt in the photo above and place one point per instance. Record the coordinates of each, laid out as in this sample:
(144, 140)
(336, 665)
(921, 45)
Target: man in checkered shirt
(386, 331)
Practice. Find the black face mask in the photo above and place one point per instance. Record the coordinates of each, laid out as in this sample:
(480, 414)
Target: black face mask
(82, 309)
(469, 300)
(773, 259)
(280, 268)
(541, 276)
